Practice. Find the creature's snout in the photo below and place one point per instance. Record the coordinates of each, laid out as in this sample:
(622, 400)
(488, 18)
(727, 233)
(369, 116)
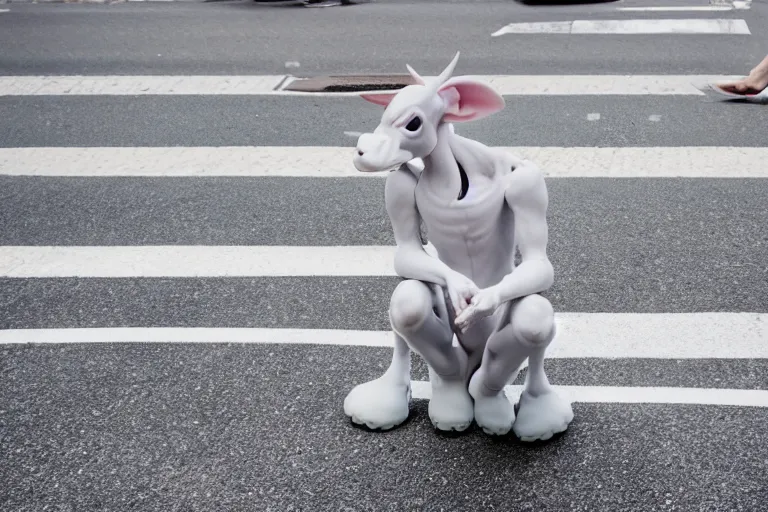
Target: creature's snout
(370, 142)
(377, 152)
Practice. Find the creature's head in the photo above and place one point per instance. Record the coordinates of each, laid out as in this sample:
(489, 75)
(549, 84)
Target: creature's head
(409, 125)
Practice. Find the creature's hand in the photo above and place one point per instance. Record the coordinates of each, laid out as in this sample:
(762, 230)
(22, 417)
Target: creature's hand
(484, 303)
(461, 289)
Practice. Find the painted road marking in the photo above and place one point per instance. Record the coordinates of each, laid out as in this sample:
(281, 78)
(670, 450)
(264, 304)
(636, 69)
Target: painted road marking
(195, 261)
(623, 27)
(336, 161)
(508, 85)
(137, 85)
(579, 335)
(680, 8)
(636, 395)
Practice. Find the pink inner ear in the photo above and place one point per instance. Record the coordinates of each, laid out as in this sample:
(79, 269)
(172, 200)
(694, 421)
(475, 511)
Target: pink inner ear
(476, 100)
(382, 98)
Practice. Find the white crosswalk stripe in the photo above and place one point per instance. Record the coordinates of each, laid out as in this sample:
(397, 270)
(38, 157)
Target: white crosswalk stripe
(335, 162)
(581, 335)
(638, 395)
(272, 85)
(633, 27)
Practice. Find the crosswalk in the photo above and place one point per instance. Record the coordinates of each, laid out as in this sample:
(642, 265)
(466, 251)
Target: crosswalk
(186, 259)
(35, 173)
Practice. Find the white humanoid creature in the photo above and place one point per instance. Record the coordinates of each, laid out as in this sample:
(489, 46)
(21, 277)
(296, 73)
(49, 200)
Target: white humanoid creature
(479, 205)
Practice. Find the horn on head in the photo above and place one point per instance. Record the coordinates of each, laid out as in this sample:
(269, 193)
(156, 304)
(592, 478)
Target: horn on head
(415, 75)
(447, 72)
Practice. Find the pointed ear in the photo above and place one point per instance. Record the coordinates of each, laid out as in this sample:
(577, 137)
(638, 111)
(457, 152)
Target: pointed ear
(379, 98)
(467, 100)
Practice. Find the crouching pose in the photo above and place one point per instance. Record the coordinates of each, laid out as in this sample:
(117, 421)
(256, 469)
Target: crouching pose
(479, 205)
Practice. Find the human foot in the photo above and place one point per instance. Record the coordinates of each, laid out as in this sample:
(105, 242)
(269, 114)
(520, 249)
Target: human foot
(382, 403)
(542, 416)
(753, 85)
(450, 407)
(495, 414)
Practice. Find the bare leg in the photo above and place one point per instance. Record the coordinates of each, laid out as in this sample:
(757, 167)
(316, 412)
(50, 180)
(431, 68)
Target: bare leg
(526, 332)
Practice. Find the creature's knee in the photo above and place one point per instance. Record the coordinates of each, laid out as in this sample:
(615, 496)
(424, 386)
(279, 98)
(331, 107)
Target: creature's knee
(534, 320)
(410, 304)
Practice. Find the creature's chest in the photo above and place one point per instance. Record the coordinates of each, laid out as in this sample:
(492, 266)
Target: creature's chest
(479, 212)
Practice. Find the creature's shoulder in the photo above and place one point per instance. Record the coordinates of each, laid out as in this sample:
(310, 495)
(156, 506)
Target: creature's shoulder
(400, 186)
(525, 183)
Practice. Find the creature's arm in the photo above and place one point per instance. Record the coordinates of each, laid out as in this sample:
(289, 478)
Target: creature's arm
(526, 195)
(411, 260)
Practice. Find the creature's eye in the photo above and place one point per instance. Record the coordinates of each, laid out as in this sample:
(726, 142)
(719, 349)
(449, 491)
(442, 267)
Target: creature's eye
(413, 124)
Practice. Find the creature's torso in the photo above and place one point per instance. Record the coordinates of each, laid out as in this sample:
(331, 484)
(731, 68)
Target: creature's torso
(473, 235)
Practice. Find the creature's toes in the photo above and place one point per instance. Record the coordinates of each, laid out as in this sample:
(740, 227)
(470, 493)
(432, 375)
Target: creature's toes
(450, 407)
(451, 426)
(495, 415)
(379, 404)
(373, 425)
(541, 417)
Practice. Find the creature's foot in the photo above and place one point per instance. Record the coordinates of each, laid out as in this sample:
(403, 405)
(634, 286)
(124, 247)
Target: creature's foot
(541, 417)
(379, 404)
(450, 407)
(495, 414)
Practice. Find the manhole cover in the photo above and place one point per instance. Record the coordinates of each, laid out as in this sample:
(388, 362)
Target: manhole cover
(352, 83)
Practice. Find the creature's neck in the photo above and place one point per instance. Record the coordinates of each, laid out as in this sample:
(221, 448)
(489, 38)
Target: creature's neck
(441, 172)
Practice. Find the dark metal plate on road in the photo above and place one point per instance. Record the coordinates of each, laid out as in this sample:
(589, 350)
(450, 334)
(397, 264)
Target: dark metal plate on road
(350, 83)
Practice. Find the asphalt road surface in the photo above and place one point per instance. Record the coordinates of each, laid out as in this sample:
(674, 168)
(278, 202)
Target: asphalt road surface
(98, 414)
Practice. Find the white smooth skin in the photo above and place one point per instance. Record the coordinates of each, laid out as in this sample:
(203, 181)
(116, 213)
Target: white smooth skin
(472, 288)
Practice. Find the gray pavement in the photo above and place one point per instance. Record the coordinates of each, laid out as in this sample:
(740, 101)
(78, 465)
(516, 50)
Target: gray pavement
(230, 426)
(142, 427)
(244, 38)
(645, 245)
(282, 121)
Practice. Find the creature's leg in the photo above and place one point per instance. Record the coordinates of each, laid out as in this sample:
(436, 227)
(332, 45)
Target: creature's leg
(526, 329)
(420, 321)
(542, 413)
(383, 403)
(420, 315)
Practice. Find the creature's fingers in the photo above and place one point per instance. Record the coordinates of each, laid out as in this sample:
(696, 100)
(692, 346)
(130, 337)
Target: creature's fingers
(466, 317)
(454, 300)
